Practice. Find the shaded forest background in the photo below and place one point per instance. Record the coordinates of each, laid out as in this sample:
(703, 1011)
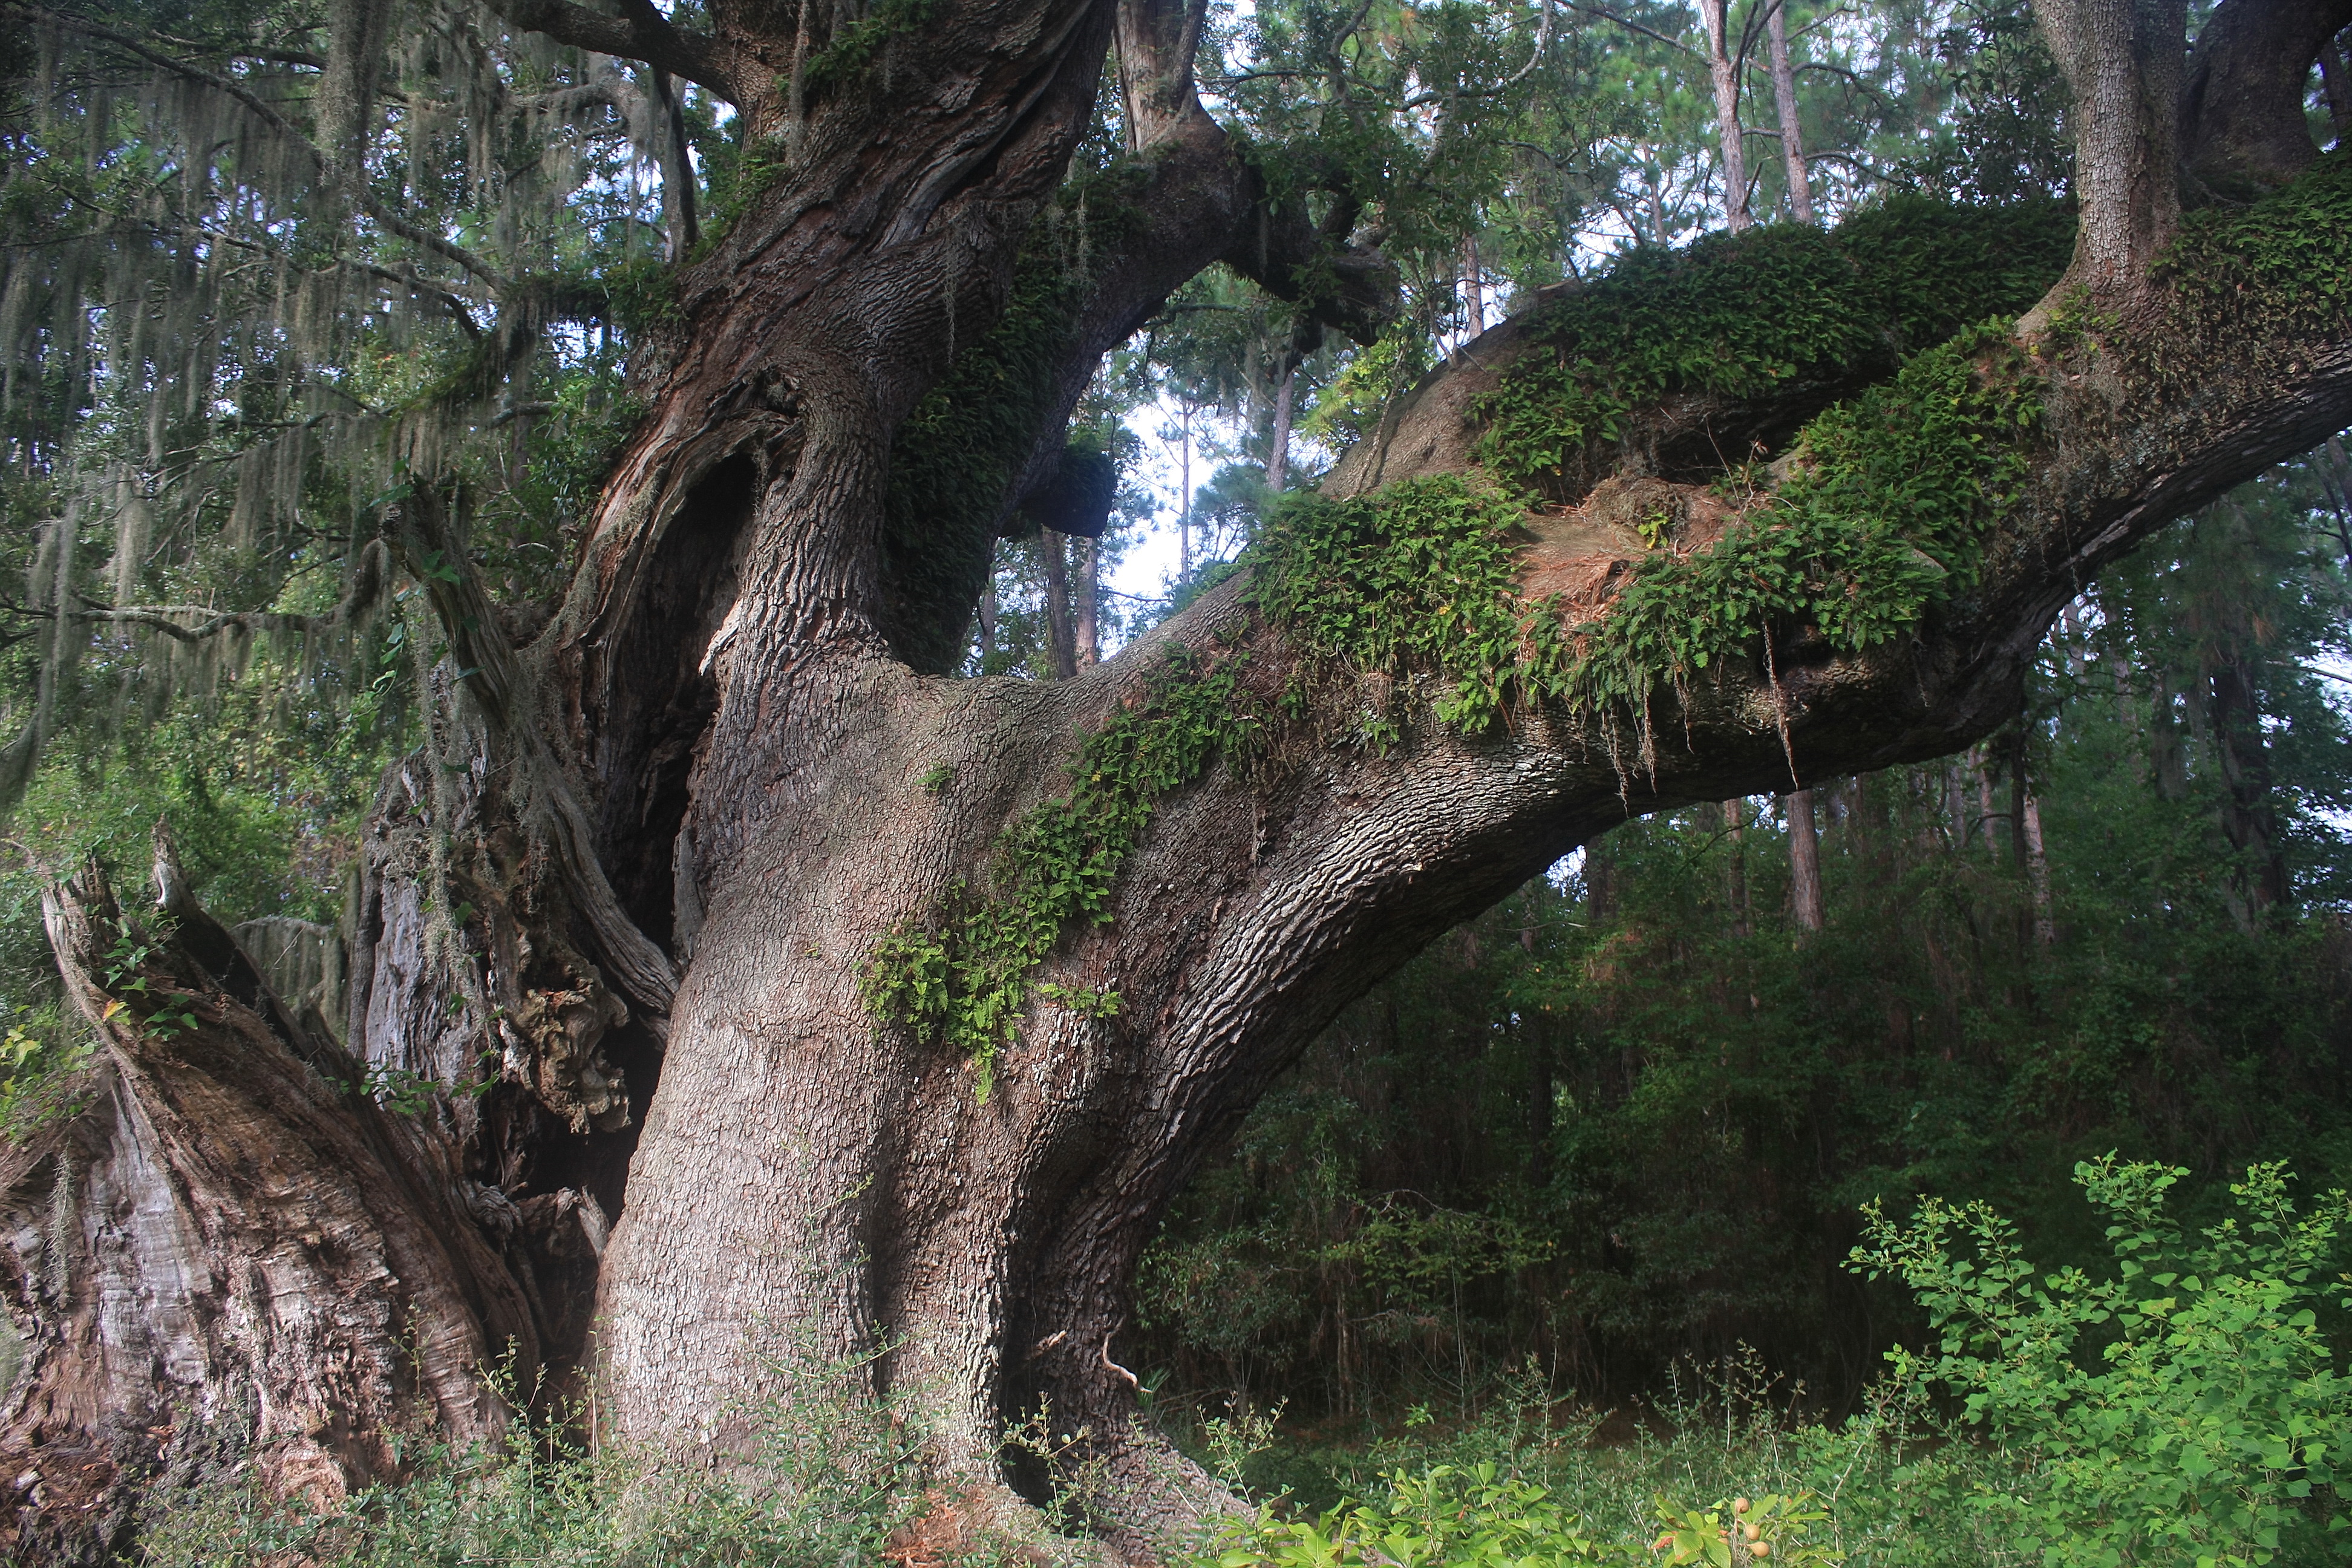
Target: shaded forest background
(1625, 1123)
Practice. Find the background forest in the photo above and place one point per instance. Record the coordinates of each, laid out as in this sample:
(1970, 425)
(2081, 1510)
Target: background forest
(1596, 1165)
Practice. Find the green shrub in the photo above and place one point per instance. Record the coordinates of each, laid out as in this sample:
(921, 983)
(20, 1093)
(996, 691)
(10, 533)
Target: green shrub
(2186, 1410)
(41, 1076)
(1485, 1517)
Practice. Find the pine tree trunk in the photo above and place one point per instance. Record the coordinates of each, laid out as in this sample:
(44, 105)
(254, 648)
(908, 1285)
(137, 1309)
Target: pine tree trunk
(1060, 632)
(2249, 820)
(2037, 870)
(1804, 862)
(1734, 867)
(1784, 101)
(1723, 73)
(1090, 604)
(1277, 461)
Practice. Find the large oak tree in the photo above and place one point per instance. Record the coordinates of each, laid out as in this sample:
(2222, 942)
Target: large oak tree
(941, 986)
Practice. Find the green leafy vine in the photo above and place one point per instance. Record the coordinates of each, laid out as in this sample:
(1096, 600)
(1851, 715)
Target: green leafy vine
(963, 976)
(1751, 316)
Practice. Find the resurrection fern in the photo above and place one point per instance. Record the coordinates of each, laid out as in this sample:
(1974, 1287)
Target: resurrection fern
(964, 977)
(1882, 518)
(1891, 495)
(2284, 264)
(1419, 575)
(1752, 315)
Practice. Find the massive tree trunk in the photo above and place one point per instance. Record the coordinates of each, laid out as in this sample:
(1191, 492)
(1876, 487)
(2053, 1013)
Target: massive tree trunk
(647, 873)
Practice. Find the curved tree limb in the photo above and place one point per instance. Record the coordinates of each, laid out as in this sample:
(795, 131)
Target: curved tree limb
(639, 33)
(2244, 129)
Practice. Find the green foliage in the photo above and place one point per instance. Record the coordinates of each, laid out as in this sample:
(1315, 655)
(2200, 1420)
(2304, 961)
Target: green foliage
(1482, 1516)
(1416, 576)
(1349, 408)
(2282, 262)
(2183, 1410)
(962, 977)
(745, 168)
(1757, 315)
(2186, 1408)
(1440, 1517)
(263, 782)
(40, 1072)
(857, 41)
(163, 1015)
(642, 292)
(1891, 493)
(1528, 1481)
(2006, 136)
(1685, 1097)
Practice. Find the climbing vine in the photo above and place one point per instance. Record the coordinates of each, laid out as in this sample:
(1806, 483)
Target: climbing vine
(961, 449)
(964, 976)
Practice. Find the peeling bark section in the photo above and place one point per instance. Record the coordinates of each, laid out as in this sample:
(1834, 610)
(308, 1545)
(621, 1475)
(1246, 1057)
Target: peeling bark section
(221, 1257)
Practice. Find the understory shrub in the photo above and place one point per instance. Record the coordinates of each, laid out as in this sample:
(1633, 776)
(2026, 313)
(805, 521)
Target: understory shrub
(2180, 1410)
(2184, 1411)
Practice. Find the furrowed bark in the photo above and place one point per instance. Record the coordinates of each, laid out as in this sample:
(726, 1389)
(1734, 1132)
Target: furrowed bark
(1000, 1237)
(2123, 60)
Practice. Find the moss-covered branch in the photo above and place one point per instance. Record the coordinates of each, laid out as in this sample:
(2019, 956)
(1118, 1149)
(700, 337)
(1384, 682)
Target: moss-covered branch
(1750, 316)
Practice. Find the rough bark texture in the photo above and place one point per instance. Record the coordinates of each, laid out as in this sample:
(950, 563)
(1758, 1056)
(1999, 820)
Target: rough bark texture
(636, 875)
(1723, 74)
(2123, 60)
(221, 1254)
(2247, 131)
(1784, 102)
